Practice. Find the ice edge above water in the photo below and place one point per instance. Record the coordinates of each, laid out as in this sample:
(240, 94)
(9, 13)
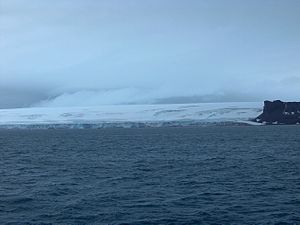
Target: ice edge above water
(132, 115)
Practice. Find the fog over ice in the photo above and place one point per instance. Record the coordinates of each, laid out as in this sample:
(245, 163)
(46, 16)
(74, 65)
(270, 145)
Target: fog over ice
(93, 52)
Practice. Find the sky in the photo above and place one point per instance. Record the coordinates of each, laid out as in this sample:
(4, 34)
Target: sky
(57, 53)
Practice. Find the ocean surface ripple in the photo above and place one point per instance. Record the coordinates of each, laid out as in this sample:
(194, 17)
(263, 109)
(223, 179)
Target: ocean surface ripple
(205, 175)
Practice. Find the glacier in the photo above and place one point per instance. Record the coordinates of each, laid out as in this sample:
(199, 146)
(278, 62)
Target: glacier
(131, 115)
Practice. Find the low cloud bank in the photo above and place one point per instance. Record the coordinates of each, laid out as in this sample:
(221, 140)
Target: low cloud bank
(286, 90)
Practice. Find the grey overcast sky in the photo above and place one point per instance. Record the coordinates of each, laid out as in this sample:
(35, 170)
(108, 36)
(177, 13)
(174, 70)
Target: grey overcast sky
(92, 52)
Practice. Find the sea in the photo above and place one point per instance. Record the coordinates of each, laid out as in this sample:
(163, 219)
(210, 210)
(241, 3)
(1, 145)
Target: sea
(175, 175)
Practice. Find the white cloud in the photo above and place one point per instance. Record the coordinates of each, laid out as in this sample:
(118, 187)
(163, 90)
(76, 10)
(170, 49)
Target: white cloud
(145, 50)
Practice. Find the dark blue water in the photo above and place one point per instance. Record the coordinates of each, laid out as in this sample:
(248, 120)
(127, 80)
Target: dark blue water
(208, 175)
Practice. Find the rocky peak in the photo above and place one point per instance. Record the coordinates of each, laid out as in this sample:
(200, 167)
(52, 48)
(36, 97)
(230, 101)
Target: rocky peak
(278, 112)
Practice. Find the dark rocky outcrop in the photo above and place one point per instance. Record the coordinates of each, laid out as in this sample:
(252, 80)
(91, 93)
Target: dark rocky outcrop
(278, 112)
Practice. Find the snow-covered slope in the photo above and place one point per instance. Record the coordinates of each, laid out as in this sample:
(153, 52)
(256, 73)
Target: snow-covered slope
(126, 114)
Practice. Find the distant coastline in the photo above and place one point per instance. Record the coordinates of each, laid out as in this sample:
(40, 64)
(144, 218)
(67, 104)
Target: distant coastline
(152, 116)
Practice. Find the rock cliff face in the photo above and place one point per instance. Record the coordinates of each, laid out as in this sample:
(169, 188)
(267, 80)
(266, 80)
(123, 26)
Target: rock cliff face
(278, 112)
